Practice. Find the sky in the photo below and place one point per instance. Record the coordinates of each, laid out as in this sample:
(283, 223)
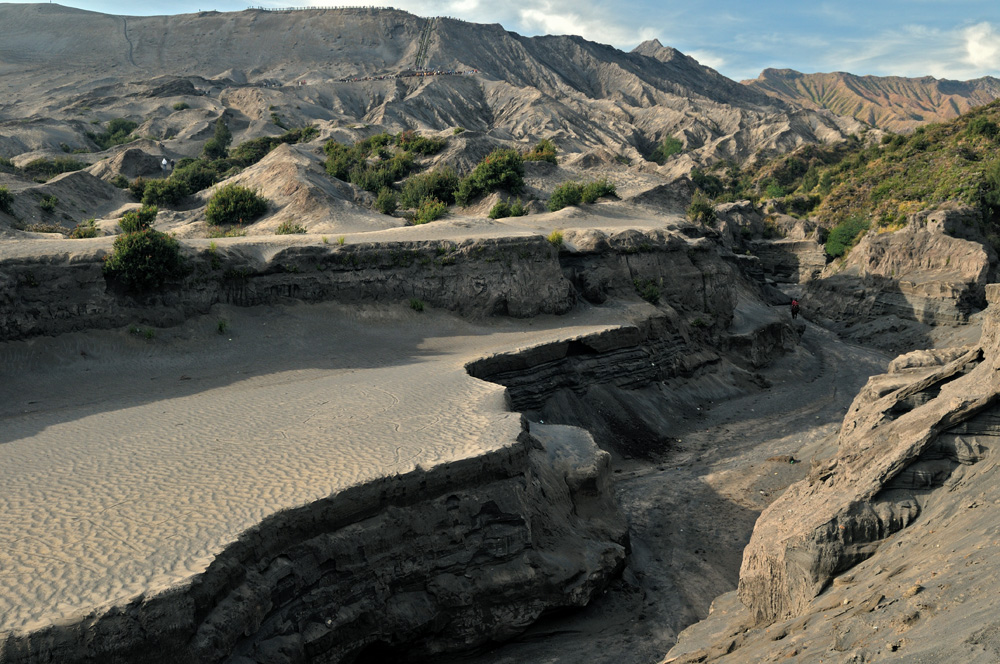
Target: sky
(958, 39)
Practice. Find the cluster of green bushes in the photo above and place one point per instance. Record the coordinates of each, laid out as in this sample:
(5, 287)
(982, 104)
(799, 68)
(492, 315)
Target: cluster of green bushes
(216, 164)
(250, 152)
(378, 161)
(502, 209)
(441, 183)
(289, 228)
(44, 169)
(118, 132)
(701, 209)
(134, 221)
(544, 150)
(574, 193)
(500, 169)
(883, 181)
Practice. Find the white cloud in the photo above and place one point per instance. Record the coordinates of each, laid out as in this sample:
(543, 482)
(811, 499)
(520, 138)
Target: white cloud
(982, 45)
(708, 59)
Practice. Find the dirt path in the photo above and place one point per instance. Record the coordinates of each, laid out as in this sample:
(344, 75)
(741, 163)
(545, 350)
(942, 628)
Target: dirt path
(692, 514)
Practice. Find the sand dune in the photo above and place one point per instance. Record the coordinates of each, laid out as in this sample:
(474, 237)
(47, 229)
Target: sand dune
(128, 464)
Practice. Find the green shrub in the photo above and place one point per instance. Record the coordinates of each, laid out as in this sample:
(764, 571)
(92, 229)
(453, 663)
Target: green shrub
(226, 231)
(501, 169)
(46, 168)
(234, 204)
(597, 189)
(289, 228)
(181, 106)
(701, 209)
(217, 146)
(250, 152)
(411, 141)
(276, 120)
(666, 149)
(981, 126)
(6, 201)
(555, 238)
(439, 183)
(164, 192)
(48, 203)
(710, 184)
(386, 201)
(517, 209)
(84, 229)
(134, 221)
(416, 305)
(843, 236)
(119, 181)
(500, 210)
(544, 150)
(144, 261)
(429, 210)
(118, 132)
(138, 187)
(566, 194)
(199, 174)
(647, 290)
(458, 130)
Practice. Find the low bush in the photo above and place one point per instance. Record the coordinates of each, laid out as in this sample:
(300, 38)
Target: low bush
(597, 189)
(429, 210)
(119, 181)
(566, 194)
(118, 132)
(289, 228)
(411, 141)
(701, 208)
(167, 192)
(544, 150)
(218, 146)
(6, 201)
(49, 168)
(234, 205)
(555, 238)
(143, 261)
(386, 201)
(181, 106)
(250, 152)
(501, 169)
(134, 221)
(500, 210)
(517, 209)
(439, 183)
(647, 289)
(84, 229)
(48, 203)
(667, 148)
(844, 235)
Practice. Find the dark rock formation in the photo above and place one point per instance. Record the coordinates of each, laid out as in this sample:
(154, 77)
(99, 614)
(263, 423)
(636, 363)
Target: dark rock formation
(405, 567)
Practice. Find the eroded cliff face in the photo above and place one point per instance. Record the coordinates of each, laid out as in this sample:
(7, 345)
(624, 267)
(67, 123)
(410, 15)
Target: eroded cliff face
(409, 566)
(933, 271)
(896, 527)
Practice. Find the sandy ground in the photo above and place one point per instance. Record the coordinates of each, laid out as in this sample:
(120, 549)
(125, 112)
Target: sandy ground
(691, 514)
(127, 463)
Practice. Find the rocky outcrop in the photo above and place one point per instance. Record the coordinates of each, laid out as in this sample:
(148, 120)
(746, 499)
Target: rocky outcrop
(429, 562)
(920, 273)
(906, 434)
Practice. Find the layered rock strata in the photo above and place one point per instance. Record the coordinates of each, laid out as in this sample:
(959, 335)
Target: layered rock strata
(428, 562)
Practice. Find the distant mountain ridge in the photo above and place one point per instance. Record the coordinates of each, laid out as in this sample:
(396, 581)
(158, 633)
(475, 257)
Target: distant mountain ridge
(584, 95)
(892, 103)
